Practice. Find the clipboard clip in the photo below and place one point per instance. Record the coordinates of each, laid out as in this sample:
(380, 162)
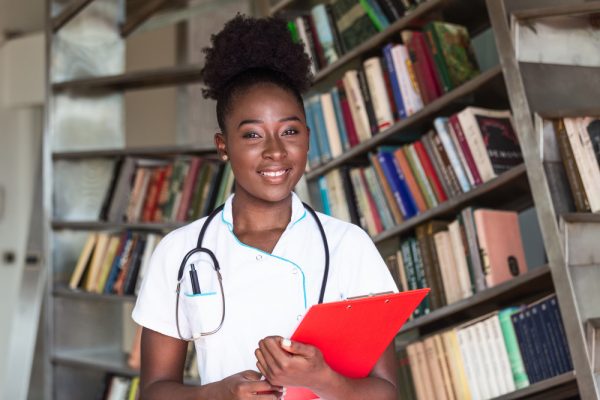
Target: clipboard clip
(370, 295)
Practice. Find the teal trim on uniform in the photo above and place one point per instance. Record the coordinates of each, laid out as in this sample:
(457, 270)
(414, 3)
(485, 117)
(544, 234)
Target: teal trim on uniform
(299, 219)
(200, 294)
(230, 226)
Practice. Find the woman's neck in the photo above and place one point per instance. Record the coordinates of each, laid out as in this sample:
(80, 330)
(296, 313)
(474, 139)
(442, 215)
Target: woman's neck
(253, 215)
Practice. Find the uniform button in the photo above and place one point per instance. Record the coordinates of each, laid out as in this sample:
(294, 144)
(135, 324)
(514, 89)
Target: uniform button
(299, 317)
(295, 271)
(258, 257)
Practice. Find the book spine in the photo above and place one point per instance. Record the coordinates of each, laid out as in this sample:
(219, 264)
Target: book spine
(432, 79)
(398, 184)
(353, 139)
(387, 190)
(365, 218)
(324, 195)
(435, 295)
(393, 74)
(438, 166)
(376, 86)
(319, 51)
(472, 134)
(551, 329)
(436, 51)
(379, 25)
(561, 332)
(467, 350)
(419, 172)
(441, 127)
(337, 38)
(473, 248)
(339, 117)
(378, 196)
(432, 177)
(420, 274)
(501, 355)
(410, 180)
(418, 67)
(321, 129)
(463, 147)
(306, 35)
(517, 367)
(446, 165)
(550, 362)
(331, 128)
(357, 105)
(350, 195)
(568, 159)
(369, 107)
(324, 33)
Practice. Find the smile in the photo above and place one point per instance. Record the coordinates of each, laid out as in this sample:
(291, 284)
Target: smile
(274, 174)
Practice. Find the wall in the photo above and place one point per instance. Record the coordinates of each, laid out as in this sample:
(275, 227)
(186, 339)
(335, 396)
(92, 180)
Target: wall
(21, 96)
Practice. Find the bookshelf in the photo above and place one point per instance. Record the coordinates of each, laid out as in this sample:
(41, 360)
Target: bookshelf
(532, 91)
(87, 334)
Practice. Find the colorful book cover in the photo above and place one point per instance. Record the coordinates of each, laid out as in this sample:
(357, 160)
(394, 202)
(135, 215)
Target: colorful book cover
(353, 23)
(324, 33)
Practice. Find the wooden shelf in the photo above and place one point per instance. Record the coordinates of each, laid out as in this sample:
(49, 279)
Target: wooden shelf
(166, 151)
(68, 13)
(104, 361)
(114, 362)
(103, 225)
(581, 217)
(281, 4)
(179, 75)
(535, 282)
(422, 118)
(511, 186)
(558, 387)
(65, 292)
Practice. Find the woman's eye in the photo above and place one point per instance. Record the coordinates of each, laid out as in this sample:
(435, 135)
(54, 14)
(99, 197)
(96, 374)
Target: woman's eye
(290, 132)
(250, 135)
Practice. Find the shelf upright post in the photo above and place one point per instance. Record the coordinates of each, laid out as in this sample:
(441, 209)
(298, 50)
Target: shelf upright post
(554, 237)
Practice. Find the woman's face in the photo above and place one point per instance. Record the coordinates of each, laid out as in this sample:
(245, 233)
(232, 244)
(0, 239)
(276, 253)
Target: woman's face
(266, 141)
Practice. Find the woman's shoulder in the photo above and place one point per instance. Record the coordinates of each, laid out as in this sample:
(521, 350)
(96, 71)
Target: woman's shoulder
(181, 236)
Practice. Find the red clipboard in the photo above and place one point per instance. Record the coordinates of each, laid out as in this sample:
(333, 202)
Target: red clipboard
(353, 334)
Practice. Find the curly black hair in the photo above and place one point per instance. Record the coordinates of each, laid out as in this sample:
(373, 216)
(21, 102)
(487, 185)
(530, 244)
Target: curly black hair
(249, 51)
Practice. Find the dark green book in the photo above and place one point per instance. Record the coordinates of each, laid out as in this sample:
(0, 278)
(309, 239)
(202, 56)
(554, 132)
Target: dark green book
(455, 54)
(353, 23)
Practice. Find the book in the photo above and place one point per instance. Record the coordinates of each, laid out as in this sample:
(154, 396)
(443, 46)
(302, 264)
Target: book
(397, 183)
(413, 186)
(420, 175)
(324, 33)
(394, 82)
(517, 367)
(500, 245)
(357, 105)
(447, 265)
(443, 132)
(379, 97)
(306, 42)
(366, 95)
(432, 177)
(467, 222)
(460, 260)
(347, 115)
(436, 379)
(96, 262)
(465, 154)
(353, 23)
(331, 126)
(408, 88)
(447, 169)
(83, 261)
(339, 117)
(456, 365)
(455, 56)
(387, 190)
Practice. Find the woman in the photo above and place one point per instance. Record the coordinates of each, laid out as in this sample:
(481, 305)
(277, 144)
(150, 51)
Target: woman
(269, 247)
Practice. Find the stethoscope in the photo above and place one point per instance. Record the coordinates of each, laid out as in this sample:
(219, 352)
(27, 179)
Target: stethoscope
(215, 263)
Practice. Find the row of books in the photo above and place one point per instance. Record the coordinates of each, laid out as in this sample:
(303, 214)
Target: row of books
(119, 387)
(330, 30)
(488, 357)
(161, 190)
(480, 249)
(464, 151)
(369, 100)
(578, 141)
(113, 263)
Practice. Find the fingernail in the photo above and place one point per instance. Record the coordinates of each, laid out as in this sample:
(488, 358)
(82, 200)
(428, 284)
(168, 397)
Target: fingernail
(286, 342)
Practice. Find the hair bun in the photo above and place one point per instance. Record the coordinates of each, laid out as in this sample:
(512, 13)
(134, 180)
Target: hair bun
(247, 43)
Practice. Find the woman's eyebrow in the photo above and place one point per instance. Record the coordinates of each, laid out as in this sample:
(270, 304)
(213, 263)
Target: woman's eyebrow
(259, 121)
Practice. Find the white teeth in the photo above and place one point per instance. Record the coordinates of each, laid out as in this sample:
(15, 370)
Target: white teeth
(273, 174)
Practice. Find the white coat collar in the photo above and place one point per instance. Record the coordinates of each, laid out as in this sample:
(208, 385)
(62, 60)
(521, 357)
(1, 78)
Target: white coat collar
(298, 211)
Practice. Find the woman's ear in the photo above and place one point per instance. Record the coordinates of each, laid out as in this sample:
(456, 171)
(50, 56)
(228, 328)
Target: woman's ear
(221, 145)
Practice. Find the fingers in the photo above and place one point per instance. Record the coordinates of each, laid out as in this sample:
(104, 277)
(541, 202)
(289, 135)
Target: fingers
(251, 375)
(263, 366)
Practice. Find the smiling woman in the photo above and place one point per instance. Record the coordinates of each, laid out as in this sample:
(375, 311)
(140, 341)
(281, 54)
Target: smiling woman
(270, 255)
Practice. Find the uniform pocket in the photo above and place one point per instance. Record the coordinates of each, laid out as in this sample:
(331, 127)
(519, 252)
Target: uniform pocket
(203, 311)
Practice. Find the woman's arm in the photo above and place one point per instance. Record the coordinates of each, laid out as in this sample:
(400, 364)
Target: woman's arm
(303, 365)
(163, 359)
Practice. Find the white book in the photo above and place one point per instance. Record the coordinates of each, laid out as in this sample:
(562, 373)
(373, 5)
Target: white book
(467, 351)
(339, 207)
(119, 386)
(301, 28)
(501, 354)
(472, 132)
(357, 105)
(460, 259)
(331, 126)
(443, 130)
(443, 248)
(487, 359)
(379, 94)
(589, 159)
(404, 73)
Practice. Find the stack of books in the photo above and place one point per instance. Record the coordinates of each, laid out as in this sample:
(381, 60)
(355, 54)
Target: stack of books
(113, 263)
(464, 151)
(579, 145)
(490, 356)
(165, 190)
(480, 249)
(387, 89)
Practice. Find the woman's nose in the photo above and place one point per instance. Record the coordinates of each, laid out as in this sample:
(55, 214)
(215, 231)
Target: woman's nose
(274, 147)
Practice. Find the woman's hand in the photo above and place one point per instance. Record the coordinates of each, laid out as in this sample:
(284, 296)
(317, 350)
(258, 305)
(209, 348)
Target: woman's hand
(286, 363)
(246, 385)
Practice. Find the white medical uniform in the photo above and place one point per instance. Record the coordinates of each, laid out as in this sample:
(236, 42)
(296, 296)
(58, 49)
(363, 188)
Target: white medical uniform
(266, 294)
